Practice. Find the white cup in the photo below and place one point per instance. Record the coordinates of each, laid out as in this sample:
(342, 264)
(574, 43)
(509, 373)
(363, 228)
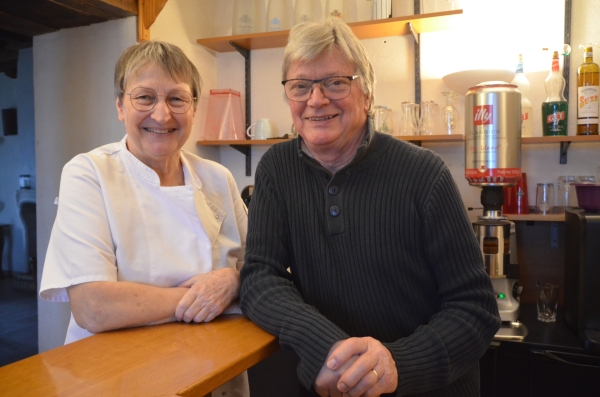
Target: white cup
(263, 130)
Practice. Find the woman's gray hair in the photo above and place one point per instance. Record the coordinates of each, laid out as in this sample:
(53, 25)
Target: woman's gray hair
(167, 56)
(310, 41)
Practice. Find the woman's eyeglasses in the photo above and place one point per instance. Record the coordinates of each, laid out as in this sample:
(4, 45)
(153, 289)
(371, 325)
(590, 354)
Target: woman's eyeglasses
(144, 100)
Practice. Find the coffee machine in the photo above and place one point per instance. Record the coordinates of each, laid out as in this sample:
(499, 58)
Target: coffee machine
(492, 161)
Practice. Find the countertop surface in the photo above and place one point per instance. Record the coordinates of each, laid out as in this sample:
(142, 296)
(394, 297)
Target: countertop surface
(175, 359)
(548, 335)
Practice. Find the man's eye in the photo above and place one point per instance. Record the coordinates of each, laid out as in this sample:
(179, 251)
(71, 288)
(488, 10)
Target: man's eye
(336, 82)
(300, 85)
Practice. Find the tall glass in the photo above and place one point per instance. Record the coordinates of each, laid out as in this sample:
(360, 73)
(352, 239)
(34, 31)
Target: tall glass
(544, 198)
(410, 118)
(429, 118)
(450, 116)
(383, 120)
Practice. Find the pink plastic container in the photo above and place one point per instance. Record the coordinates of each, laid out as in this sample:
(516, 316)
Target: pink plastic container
(224, 118)
(588, 196)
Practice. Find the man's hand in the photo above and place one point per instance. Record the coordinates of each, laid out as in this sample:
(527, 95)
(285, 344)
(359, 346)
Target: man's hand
(365, 368)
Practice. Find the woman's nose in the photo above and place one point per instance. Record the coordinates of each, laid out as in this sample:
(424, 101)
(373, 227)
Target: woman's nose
(161, 111)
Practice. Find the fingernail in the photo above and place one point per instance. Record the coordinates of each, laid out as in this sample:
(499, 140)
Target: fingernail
(342, 387)
(331, 364)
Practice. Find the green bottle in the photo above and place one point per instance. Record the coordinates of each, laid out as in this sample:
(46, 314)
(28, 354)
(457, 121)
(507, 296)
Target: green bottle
(555, 108)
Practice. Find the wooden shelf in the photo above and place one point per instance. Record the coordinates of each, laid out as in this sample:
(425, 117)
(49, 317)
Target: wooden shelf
(559, 139)
(363, 30)
(247, 142)
(558, 217)
(431, 138)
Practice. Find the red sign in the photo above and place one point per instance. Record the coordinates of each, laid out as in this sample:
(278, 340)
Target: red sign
(483, 114)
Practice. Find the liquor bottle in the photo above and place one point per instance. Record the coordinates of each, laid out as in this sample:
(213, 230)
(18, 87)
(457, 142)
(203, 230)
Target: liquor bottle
(526, 108)
(588, 75)
(555, 107)
(244, 17)
(335, 8)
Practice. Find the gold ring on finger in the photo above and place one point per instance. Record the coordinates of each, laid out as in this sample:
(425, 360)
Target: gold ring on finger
(376, 374)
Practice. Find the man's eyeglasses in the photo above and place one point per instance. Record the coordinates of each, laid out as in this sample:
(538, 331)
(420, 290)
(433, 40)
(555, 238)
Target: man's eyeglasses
(334, 87)
(144, 100)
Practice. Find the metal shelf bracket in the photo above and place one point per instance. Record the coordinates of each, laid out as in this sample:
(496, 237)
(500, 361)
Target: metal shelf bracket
(563, 151)
(246, 150)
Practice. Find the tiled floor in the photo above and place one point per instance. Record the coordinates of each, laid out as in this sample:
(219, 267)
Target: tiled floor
(18, 320)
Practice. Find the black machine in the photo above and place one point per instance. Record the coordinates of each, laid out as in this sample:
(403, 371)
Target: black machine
(582, 276)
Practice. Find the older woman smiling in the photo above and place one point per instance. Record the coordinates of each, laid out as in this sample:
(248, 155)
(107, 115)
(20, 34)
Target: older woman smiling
(147, 233)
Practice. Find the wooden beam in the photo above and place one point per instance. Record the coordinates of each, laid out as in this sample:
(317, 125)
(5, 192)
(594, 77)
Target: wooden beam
(148, 10)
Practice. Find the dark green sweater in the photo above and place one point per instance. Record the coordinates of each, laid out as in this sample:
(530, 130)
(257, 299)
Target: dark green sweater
(384, 249)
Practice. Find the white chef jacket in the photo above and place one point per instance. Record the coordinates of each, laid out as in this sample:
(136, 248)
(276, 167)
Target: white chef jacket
(116, 223)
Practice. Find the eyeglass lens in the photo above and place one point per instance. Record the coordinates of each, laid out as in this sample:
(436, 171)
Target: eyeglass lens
(144, 100)
(337, 87)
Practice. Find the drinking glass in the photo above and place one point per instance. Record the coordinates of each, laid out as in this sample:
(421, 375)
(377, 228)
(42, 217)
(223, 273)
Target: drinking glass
(544, 198)
(565, 191)
(429, 118)
(383, 120)
(410, 118)
(547, 301)
(450, 117)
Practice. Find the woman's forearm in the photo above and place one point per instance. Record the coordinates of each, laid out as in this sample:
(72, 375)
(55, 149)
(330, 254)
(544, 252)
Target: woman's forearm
(104, 305)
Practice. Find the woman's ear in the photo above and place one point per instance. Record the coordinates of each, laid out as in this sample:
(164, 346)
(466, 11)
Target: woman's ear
(120, 109)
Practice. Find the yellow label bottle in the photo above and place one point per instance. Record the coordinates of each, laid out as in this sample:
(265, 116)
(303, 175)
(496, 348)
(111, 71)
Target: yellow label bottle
(588, 75)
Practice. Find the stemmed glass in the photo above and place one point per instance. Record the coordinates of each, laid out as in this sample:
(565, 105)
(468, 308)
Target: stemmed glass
(450, 117)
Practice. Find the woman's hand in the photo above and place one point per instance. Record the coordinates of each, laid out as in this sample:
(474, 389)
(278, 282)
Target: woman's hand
(209, 294)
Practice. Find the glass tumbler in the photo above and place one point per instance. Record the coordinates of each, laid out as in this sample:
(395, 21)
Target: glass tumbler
(429, 118)
(383, 120)
(544, 198)
(410, 118)
(566, 191)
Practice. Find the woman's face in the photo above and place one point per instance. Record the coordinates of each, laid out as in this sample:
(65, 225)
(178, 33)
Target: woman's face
(155, 136)
(325, 123)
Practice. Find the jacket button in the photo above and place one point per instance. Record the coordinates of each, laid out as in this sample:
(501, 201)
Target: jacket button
(334, 210)
(333, 190)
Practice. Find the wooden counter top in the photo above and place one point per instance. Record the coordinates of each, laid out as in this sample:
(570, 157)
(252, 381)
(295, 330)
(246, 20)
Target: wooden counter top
(174, 359)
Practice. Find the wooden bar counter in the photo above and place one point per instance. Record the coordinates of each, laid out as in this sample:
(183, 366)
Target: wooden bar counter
(175, 359)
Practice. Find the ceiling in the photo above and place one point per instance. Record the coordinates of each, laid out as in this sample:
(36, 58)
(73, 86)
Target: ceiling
(20, 20)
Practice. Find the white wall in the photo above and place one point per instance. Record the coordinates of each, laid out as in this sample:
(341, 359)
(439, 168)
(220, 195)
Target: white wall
(74, 113)
(17, 157)
(491, 38)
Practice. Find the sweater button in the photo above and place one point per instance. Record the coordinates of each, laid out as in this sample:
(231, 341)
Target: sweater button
(334, 210)
(333, 190)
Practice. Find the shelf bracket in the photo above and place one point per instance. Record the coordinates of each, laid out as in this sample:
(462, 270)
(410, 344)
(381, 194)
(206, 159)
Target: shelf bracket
(417, 54)
(563, 151)
(414, 32)
(246, 150)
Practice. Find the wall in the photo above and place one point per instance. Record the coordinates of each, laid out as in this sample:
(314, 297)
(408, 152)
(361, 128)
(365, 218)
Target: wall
(17, 157)
(74, 113)
(392, 60)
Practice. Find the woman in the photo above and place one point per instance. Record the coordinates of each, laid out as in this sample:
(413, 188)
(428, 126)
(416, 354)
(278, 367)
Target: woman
(386, 292)
(147, 233)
